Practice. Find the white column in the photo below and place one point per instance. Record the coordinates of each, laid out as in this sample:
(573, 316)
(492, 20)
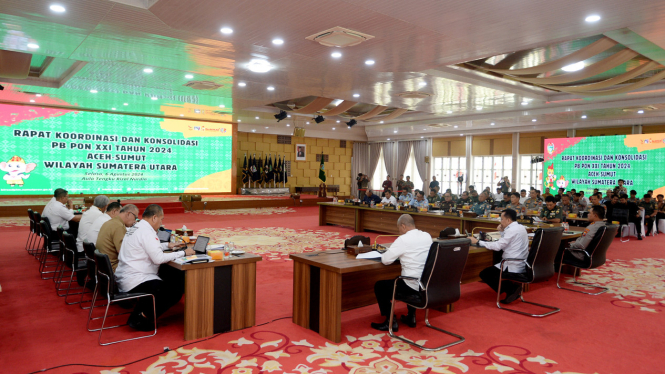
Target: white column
(469, 145)
(637, 129)
(571, 133)
(516, 158)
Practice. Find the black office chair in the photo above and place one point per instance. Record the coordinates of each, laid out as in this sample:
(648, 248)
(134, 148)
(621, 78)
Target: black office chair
(439, 285)
(106, 285)
(31, 234)
(91, 275)
(73, 263)
(61, 259)
(594, 256)
(539, 267)
(48, 251)
(37, 243)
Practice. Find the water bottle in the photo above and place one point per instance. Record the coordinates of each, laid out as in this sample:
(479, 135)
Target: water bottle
(487, 211)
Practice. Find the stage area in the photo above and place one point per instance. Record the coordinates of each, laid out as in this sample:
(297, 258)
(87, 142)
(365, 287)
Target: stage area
(592, 334)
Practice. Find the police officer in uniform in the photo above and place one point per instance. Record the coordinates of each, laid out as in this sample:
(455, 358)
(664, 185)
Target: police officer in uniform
(532, 203)
(567, 206)
(551, 213)
(579, 205)
(482, 205)
(515, 203)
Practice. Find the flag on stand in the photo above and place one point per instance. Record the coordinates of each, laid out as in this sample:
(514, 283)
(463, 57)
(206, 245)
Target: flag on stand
(270, 173)
(264, 176)
(260, 176)
(322, 170)
(278, 171)
(286, 177)
(255, 170)
(245, 171)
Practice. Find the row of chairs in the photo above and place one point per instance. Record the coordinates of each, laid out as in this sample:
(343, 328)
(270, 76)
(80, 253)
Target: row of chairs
(60, 261)
(441, 278)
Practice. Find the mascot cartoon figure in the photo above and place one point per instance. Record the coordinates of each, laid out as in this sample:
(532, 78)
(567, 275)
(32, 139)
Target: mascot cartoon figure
(562, 182)
(17, 170)
(551, 178)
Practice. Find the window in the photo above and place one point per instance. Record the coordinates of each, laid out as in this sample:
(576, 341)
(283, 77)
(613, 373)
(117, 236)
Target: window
(380, 174)
(488, 171)
(446, 171)
(530, 174)
(412, 171)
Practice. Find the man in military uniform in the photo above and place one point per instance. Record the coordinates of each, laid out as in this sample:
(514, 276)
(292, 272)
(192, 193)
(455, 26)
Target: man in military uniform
(448, 202)
(400, 185)
(408, 185)
(505, 202)
(515, 203)
(567, 206)
(433, 198)
(474, 196)
(481, 206)
(551, 213)
(464, 200)
(532, 203)
(649, 212)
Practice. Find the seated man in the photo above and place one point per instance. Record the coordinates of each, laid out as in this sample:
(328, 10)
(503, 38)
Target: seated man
(583, 199)
(411, 249)
(660, 209)
(419, 201)
(523, 196)
(532, 203)
(482, 205)
(464, 199)
(433, 198)
(389, 198)
(447, 203)
(594, 201)
(610, 206)
(579, 205)
(633, 197)
(505, 201)
(112, 233)
(566, 206)
(138, 264)
(633, 214)
(59, 212)
(112, 210)
(370, 197)
(515, 203)
(649, 212)
(551, 213)
(596, 216)
(498, 196)
(473, 196)
(514, 243)
(405, 198)
(96, 210)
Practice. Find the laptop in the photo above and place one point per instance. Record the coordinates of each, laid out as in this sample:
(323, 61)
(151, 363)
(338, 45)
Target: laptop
(164, 236)
(201, 245)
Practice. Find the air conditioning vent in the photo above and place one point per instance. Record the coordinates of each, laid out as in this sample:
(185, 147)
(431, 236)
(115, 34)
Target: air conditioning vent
(203, 85)
(339, 37)
(634, 110)
(438, 125)
(414, 95)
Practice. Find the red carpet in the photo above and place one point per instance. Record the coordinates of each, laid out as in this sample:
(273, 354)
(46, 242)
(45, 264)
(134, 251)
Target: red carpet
(617, 332)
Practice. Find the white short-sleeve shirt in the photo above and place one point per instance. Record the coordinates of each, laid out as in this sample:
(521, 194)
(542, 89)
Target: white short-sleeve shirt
(58, 214)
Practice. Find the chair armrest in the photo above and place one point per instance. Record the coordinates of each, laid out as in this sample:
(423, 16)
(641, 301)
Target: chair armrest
(579, 250)
(412, 278)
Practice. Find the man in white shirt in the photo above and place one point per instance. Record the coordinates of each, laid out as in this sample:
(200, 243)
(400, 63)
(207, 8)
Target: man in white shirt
(523, 196)
(498, 196)
(140, 255)
(96, 210)
(411, 249)
(389, 198)
(514, 243)
(112, 210)
(59, 212)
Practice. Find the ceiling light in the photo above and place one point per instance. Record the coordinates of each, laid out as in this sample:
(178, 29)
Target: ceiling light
(256, 117)
(182, 115)
(280, 116)
(640, 112)
(289, 115)
(33, 46)
(239, 120)
(592, 18)
(338, 121)
(226, 30)
(492, 124)
(270, 88)
(336, 54)
(534, 120)
(356, 95)
(242, 84)
(147, 70)
(112, 108)
(277, 41)
(32, 101)
(380, 121)
(449, 111)
(153, 98)
(258, 65)
(93, 91)
(266, 127)
(39, 95)
(125, 104)
(395, 131)
(525, 103)
(461, 134)
(333, 128)
(57, 8)
(189, 76)
(574, 67)
(422, 84)
(479, 108)
(307, 123)
(388, 138)
(584, 117)
(421, 137)
(253, 130)
(349, 127)
(319, 119)
(288, 125)
(369, 62)
(455, 126)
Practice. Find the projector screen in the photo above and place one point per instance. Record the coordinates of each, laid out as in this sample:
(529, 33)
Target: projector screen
(599, 162)
(42, 149)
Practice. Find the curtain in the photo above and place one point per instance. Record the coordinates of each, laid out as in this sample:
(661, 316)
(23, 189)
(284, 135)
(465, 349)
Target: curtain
(359, 165)
(374, 155)
(403, 154)
(389, 158)
(419, 153)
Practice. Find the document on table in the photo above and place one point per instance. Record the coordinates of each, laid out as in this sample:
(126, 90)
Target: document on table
(369, 255)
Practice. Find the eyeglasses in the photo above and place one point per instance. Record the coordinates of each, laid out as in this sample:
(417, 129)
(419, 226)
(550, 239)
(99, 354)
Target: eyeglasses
(136, 218)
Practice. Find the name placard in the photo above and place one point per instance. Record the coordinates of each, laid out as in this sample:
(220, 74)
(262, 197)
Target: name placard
(389, 207)
(525, 221)
(451, 214)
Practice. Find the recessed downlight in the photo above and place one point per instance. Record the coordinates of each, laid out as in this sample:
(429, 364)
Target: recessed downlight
(525, 103)
(356, 95)
(592, 18)
(479, 107)
(242, 84)
(57, 8)
(337, 121)
(256, 117)
(388, 139)
(266, 127)
(270, 88)
(333, 128)
(449, 112)
(288, 116)
(147, 70)
(640, 111)
(574, 67)
(421, 137)
(455, 126)
(395, 131)
(259, 65)
(380, 121)
(189, 76)
(369, 62)
(239, 120)
(307, 123)
(584, 117)
(33, 46)
(277, 41)
(226, 30)
(492, 124)
(32, 101)
(336, 54)
(534, 120)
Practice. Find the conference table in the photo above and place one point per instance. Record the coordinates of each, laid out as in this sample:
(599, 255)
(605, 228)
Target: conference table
(220, 296)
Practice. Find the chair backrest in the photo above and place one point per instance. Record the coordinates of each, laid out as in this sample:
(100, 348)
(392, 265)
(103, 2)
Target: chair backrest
(540, 262)
(443, 234)
(89, 251)
(354, 240)
(47, 232)
(443, 272)
(105, 277)
(598, 255)
(32, 220)
(70, 244)
(38, 218)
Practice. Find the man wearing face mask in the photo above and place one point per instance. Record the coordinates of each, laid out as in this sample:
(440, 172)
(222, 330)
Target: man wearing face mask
(139, 263)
